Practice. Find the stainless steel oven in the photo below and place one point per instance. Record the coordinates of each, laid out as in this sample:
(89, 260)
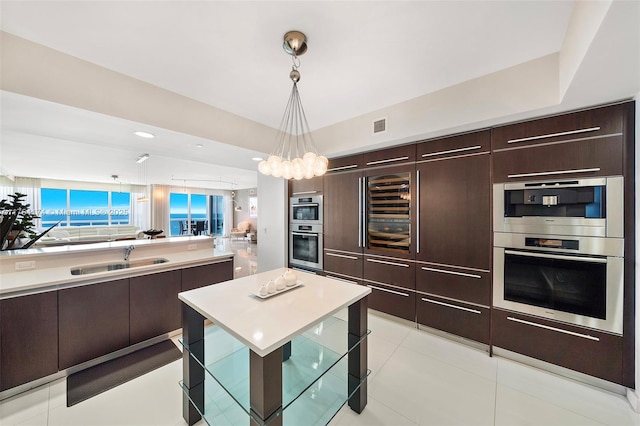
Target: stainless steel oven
(306, 210)
(587, 207)
(574, 279)
(305, 245)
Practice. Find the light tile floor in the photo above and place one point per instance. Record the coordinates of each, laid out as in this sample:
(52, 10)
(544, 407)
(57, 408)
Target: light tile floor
(417, 379)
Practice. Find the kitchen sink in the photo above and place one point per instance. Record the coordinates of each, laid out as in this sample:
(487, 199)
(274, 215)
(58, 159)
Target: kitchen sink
(114, 266)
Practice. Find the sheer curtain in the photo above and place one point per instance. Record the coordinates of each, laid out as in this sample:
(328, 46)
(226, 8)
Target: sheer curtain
(160, 208)
(140, 210)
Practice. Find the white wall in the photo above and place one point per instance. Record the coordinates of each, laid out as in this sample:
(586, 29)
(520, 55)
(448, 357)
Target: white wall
(272, 226)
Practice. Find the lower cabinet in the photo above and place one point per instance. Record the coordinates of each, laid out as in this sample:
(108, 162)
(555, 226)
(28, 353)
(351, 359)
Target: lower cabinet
(200, 276)
(28, 338)
(462, 319)
(396, 301)
(154, 307)
(93, 321)
(580, 349)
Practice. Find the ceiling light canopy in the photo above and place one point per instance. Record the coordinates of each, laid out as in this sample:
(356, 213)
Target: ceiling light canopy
(144, 134)
(295, 155)
(142, 158)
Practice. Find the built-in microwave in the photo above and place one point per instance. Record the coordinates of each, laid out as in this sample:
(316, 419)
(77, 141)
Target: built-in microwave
(582, 207)
(306, 210)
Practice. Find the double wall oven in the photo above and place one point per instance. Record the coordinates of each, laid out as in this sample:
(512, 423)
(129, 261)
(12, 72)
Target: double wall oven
(559, 250)
(305, 232)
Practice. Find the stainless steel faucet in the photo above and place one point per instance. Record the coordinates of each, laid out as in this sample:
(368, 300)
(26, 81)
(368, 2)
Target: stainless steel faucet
(127, 252)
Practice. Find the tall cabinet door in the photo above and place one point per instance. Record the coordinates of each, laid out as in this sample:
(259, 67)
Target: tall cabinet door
(343, 218)
(455, 218)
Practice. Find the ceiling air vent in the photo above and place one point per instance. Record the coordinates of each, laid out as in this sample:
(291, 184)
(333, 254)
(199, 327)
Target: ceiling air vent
(380, 126)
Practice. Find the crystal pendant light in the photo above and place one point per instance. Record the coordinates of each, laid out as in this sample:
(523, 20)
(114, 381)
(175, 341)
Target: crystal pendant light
(295, 155)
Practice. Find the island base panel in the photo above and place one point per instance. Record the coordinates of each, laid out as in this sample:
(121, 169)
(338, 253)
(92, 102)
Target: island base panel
(357, 361)
(192, 370)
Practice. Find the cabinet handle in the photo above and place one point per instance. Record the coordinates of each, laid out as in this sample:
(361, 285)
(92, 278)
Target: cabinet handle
(418, 211)
(305, 192)
(342, 255)
(404, 265)
(462, 274)
(553, 135)
(558, 172)
(388, 291)
(360, 233)
(559, 330)
(341, 279)
(335, 169)
(451, 151)
(448, 305)
(388, 160)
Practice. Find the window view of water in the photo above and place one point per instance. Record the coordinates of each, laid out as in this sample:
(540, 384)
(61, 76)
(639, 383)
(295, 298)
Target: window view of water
(74, 207)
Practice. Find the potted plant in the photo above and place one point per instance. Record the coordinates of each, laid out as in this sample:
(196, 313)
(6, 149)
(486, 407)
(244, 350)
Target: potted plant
(17, 224)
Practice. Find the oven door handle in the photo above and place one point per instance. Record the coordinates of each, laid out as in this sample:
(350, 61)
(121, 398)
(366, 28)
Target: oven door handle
(559, 256)
(305, 205)
(306, 234)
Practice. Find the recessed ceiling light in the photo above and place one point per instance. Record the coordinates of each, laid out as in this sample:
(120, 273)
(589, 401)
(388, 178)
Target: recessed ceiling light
(257, 158)
(144, 134)
(199, 145)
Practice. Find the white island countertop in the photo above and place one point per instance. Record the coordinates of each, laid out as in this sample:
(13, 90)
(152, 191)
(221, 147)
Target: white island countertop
(52, 266)
(266, 324)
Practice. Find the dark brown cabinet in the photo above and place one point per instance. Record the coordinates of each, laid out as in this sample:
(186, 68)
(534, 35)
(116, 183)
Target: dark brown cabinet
(28, 338)
(392, 271)
(396, 301)
(579, 144)
(453, 256)
(455, 317)
(200, 276)
(93, 321)
(306, 186)
(154, 305)
(580, 349)
(390, 156)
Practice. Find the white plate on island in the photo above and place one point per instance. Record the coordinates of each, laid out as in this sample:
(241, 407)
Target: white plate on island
(268, 295)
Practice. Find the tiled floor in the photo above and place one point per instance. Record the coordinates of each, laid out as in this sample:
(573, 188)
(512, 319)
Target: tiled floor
(417, 379)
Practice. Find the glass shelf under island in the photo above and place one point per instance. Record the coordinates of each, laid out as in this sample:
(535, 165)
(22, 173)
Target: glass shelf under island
(314, 377)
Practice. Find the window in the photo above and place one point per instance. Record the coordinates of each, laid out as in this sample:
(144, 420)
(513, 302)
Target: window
(76, 207)
(196, 213)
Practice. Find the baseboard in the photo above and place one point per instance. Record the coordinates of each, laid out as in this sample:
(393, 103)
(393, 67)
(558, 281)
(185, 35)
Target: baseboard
(634, 400)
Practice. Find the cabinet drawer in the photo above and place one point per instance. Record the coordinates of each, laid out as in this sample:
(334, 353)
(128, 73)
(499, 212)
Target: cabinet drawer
(469, 143)
(154, 305)
(28, 338)
(392, 300)
(387, 270)
(465, 320)
(390, 156)
(577, 125)
(462, 284)
(584, 350)
(200, 276)
(93, 320)
(343, 164)
(586, 158)
(343, 263)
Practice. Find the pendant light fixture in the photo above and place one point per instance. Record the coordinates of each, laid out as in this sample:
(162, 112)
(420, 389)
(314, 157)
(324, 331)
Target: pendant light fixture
(143, 177)
(295, 155)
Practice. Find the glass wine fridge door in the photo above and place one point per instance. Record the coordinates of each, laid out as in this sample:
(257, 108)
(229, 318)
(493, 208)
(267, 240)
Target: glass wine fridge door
(388, 213)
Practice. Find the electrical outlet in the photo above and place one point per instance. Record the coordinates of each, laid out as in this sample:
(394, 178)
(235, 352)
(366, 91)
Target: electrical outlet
(23, 266)
(192, 247)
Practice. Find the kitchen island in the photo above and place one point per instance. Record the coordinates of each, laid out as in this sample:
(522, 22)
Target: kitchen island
(282, 362)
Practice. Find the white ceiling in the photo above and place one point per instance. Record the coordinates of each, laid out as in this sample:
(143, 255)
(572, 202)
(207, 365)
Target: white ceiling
(363, 56)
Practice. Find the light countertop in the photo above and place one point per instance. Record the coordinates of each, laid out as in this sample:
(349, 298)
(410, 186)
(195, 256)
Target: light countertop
(266, 324)
(53, 265)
